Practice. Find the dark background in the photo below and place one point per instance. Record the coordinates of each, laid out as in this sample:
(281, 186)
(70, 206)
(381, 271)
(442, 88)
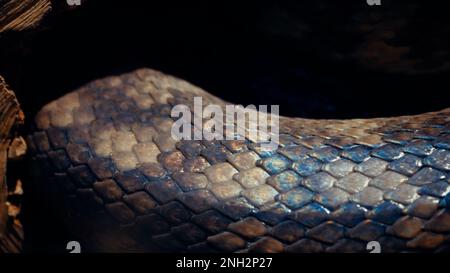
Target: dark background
(295, 54)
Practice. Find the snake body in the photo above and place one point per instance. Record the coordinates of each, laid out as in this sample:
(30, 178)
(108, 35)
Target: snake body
(107, 159)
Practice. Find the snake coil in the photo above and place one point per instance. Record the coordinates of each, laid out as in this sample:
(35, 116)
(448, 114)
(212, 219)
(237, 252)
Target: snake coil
(107, 161)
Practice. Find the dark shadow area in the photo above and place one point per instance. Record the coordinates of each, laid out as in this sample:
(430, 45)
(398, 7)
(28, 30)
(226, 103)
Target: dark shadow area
(303, 56)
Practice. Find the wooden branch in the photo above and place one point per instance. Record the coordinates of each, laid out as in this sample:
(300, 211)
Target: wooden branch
(22, 14)
(10, 115)
(10, 112)
(18, 15)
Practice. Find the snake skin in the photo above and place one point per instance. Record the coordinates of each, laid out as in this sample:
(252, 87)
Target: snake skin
(123, 184)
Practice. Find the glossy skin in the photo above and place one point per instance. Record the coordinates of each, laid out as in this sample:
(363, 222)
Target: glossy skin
(123, 184)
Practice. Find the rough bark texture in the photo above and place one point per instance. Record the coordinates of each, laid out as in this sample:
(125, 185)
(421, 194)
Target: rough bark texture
(10, 115)
(22, 14)
(19, 15)
(15, 15)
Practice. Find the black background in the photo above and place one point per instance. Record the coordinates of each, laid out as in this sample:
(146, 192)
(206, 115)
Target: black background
(240, 51)
(281, 263)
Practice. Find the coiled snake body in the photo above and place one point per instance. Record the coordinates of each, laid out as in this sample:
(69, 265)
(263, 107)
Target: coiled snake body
(108, 161)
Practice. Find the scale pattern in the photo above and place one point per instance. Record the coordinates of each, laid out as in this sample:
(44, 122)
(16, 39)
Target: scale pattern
(105, 154)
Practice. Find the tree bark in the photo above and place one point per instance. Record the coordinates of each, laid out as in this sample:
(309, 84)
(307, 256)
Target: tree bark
(22, 14)
(19, 15)
(10, 115)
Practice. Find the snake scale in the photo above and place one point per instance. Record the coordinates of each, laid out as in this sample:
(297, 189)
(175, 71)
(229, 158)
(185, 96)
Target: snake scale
(106, 159)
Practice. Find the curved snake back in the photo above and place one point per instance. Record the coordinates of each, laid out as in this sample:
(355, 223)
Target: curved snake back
(123, 184)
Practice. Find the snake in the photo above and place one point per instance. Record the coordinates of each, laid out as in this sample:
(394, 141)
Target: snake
(104, 155)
